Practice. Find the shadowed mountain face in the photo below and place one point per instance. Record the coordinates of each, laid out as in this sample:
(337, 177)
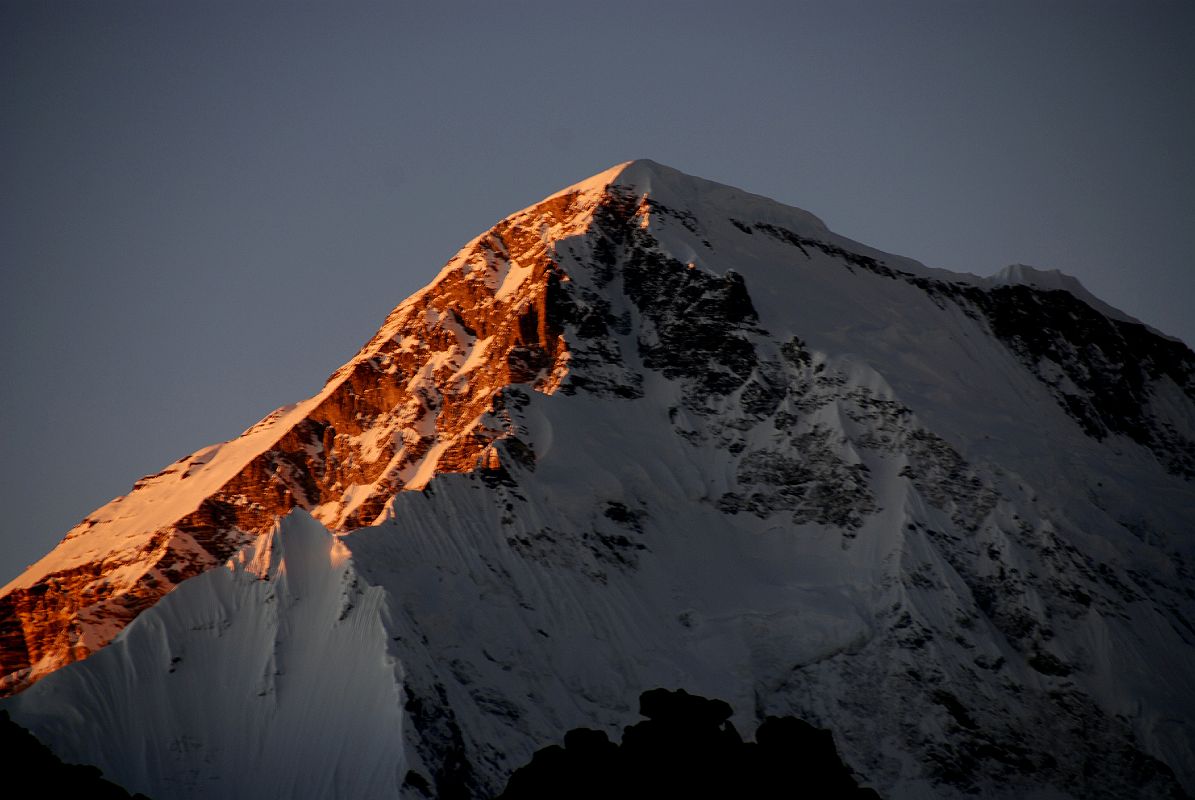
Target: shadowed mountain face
(656, 431)
(688, 748)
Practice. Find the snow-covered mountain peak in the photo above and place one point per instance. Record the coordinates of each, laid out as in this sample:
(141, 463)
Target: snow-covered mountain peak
(657, 431)
(673, 188)
(1024, 274)
(1053, 280)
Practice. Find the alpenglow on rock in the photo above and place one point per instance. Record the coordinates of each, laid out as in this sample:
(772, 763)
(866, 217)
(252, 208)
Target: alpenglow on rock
(664, 433)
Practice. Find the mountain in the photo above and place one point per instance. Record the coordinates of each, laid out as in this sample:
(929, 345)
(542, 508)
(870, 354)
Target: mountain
(656, 432)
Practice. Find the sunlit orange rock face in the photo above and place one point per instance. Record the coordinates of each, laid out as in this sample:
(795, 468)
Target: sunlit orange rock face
(423, 396)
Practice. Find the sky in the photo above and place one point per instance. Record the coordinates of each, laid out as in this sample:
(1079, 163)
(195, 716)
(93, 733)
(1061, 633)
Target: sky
(206, 207)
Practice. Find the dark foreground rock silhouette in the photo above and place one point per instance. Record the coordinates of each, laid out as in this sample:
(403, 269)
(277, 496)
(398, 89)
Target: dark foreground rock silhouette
(44, 774)
(688, 748)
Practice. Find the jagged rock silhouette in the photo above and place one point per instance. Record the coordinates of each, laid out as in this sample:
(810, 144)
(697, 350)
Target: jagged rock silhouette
(688, 747)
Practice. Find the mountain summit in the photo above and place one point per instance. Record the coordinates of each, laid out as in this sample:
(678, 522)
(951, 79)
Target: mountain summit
(655, 431)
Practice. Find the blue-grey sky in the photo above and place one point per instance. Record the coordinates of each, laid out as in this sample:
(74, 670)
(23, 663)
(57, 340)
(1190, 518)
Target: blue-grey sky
(206, 207)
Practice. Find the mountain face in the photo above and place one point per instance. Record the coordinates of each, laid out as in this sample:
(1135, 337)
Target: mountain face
(419, 399)
(656, 432)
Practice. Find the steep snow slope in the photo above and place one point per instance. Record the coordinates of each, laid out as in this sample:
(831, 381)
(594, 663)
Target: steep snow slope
(947, 517)
(267, 678)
